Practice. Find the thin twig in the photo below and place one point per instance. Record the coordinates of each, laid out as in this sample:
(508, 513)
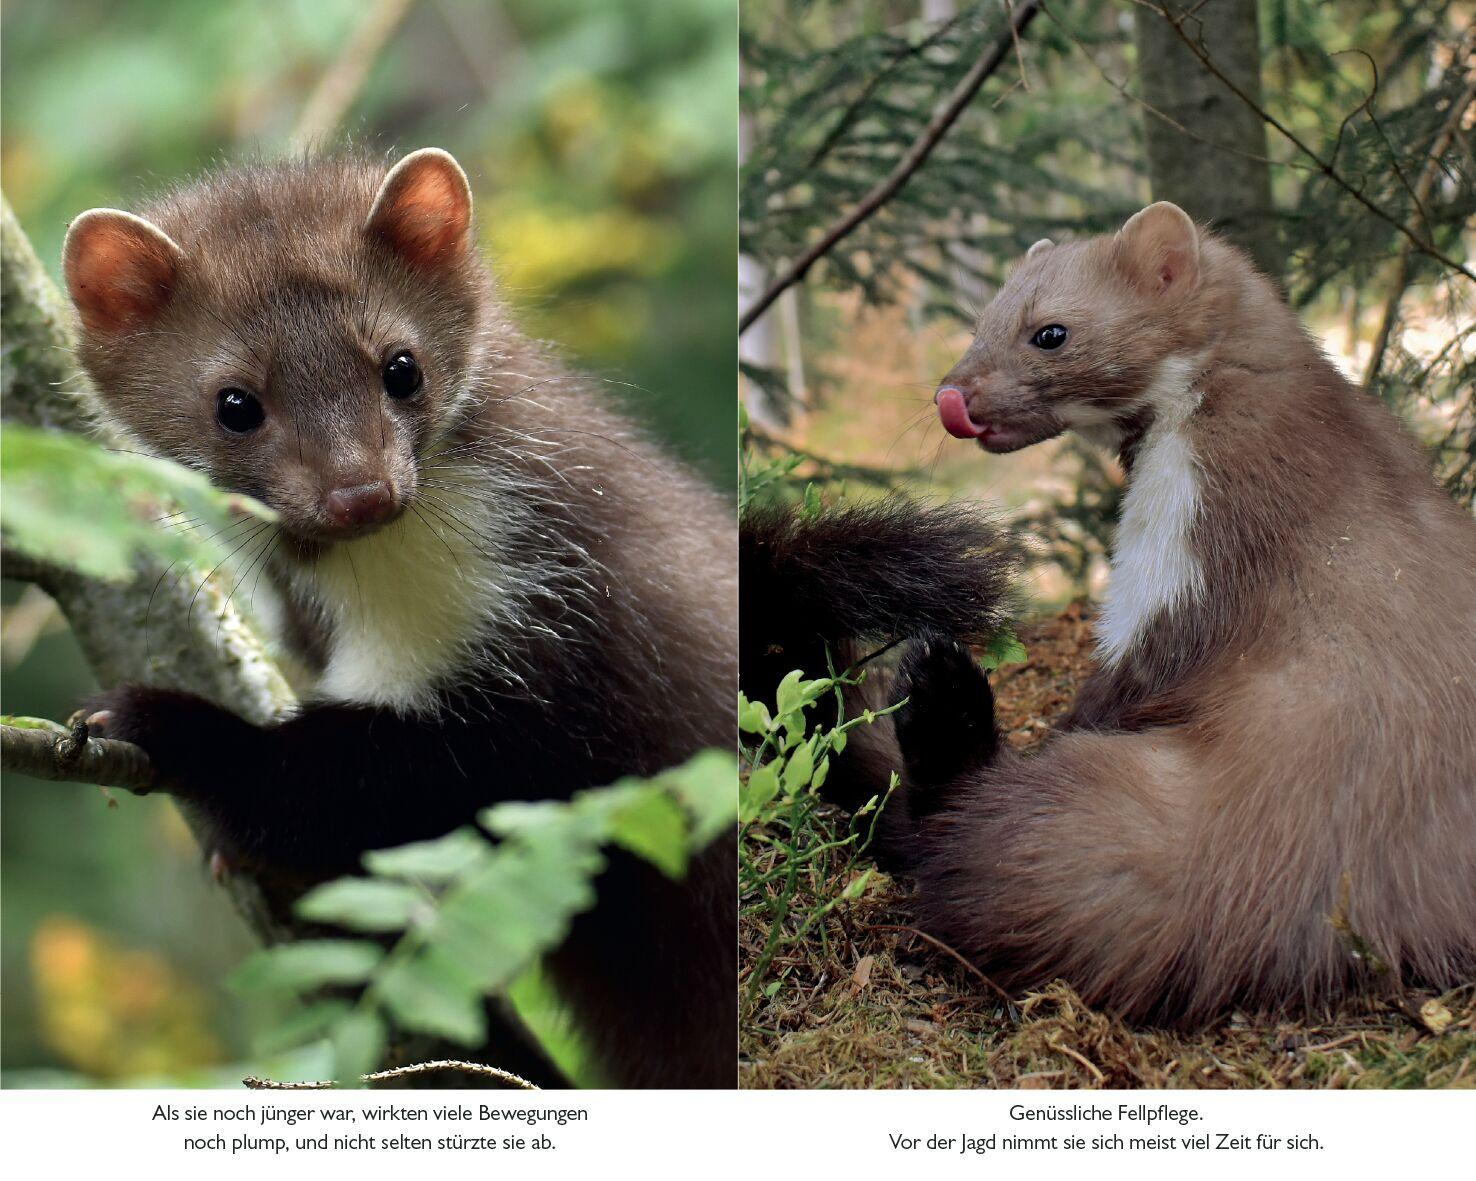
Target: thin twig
(1024, 79)
(475, 1068)
(848, 116)
(943, 118)
(1443, 139)
(943, 947)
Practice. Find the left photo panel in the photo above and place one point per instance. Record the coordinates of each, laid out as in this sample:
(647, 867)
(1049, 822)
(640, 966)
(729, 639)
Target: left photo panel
(370, 591)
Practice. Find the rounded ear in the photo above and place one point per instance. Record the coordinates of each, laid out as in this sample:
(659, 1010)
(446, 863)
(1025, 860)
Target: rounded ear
(120, 269)
(423, 209)
(1039, 248)
(1158, 248)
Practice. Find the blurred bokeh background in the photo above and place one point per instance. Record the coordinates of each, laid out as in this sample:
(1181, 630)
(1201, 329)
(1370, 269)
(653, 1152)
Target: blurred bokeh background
(601, 145)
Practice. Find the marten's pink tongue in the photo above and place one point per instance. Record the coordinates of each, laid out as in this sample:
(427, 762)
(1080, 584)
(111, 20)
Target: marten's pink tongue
(955, 415)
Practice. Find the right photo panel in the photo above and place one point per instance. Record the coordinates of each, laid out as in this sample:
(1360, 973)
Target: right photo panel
(1108, 563)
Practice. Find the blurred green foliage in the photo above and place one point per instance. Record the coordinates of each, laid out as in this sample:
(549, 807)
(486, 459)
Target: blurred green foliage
(601, 146)
(470, 918)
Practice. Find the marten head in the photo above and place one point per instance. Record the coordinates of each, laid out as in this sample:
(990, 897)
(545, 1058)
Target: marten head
(1076, 335)
(300, 332)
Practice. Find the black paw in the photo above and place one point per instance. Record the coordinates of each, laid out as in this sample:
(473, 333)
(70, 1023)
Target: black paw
(184, 736)
(947, 727)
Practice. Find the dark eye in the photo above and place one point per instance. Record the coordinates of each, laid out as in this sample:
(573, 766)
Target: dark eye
(238, 411)
(1052, 336)
(401, 376)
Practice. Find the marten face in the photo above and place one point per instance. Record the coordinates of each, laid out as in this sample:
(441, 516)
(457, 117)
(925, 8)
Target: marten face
(1074, 337)
(303, 347)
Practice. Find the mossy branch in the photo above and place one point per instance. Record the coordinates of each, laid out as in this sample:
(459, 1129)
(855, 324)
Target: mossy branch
(142, 630)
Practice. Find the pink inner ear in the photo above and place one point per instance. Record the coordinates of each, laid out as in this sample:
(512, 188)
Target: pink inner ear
(423, 212)
(120, 272)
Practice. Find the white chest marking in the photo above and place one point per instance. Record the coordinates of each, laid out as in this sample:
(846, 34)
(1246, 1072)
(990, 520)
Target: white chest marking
(407, 605)
(1154, 567)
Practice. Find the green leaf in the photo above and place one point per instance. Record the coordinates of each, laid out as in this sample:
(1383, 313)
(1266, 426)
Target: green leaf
(795, 693)
(652, 825)
(358, 1045)
(761, 788)
(73, 503)
(312, 963)
(753, 716)
(797, 770)
(431, 993)
(706, 785)
(1003, 648)
(363, 904)
(439, 860)
(303, 1025)
(857, 885)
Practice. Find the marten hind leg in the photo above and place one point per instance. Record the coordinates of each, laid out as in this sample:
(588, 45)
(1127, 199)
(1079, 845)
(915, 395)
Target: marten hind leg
(1074, 863)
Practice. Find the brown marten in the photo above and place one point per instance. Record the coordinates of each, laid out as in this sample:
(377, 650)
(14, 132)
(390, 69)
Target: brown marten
(499, 588)
(1265, 795)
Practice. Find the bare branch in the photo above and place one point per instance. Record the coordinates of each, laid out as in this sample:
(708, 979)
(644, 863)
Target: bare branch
(73, 757)
(916, 156)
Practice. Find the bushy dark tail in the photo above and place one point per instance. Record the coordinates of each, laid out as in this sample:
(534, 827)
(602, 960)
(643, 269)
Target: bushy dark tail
(873, 573)
(842, 583)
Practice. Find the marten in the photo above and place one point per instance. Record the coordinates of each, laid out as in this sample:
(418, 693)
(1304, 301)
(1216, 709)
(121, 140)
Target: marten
(500, 589)
(1264, 796)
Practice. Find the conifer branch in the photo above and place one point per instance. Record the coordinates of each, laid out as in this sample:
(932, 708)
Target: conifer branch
(914, 158)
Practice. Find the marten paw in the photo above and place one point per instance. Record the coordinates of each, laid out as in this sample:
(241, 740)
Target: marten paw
(183, 735)
(947, 726)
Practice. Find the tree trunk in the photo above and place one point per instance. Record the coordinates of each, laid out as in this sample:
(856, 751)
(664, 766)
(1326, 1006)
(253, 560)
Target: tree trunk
(1209, 172)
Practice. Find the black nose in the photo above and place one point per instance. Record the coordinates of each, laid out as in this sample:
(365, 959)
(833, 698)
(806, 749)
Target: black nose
(363, 504)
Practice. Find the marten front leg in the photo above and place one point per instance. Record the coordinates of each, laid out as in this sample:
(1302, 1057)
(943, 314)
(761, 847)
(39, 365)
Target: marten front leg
(313, 792)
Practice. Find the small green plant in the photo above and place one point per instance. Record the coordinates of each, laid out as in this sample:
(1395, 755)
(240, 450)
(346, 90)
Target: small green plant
(791, 844)
(469, 917)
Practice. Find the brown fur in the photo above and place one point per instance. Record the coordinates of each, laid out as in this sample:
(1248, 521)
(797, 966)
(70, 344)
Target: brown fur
(1282, 770)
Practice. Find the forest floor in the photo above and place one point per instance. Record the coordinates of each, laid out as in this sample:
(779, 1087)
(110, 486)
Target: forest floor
(865, 1002)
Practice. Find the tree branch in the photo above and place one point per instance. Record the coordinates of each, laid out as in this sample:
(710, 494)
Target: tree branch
(72, 757)
(916, 156)
(142, 630)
